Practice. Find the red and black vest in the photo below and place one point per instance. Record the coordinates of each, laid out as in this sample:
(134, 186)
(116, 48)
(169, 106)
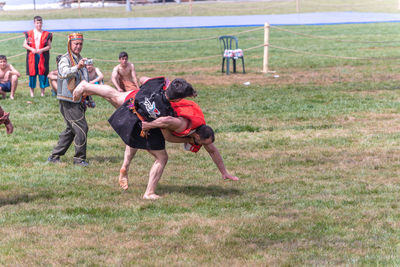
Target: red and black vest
(191, 111)
(43, 66)
(151, 102)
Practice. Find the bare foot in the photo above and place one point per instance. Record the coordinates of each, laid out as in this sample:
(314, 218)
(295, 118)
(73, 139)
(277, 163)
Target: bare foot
(78, 91)
(151, 196)
(123, 179)
(11, 97)
(32, 93)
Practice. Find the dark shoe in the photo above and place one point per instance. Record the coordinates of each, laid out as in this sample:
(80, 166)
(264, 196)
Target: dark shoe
(82, 163)
(90, 102)
(53, 159)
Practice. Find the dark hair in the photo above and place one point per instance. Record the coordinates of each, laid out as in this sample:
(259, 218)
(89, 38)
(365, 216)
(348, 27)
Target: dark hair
(123, 54)
(39, 18)
(3, 57)
(180, 88)
(58, 58)
(205, 132)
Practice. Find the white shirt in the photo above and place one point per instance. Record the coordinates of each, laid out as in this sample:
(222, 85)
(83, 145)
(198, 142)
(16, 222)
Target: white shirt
(37, 36)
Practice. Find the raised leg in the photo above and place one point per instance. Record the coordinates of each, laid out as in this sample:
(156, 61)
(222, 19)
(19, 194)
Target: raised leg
(107, 92)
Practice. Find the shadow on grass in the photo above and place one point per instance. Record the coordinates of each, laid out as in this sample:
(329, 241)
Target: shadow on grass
(102, 159)
(195, 190)
(24, 198)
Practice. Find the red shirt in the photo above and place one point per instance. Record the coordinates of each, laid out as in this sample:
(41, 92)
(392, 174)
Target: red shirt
(190, 110)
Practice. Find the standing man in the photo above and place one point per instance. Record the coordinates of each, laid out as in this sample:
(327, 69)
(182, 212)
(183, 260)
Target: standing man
(124, 76)
(37, 44)
(71, 71)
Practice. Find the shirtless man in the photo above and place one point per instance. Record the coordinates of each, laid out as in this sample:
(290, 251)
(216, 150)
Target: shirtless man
(53, 77)
(95, 75)
(8, 78)
(124, 76)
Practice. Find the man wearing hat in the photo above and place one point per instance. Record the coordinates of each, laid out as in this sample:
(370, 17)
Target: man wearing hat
(71, 71)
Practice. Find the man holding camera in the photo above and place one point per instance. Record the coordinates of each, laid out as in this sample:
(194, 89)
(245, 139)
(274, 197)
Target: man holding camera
(71, 71)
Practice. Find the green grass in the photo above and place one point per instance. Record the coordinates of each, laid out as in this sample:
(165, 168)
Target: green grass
(316, 190)
(200, 8)
(316, 151)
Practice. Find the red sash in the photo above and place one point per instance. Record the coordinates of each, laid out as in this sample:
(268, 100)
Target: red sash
(132, 95)
(30, 39)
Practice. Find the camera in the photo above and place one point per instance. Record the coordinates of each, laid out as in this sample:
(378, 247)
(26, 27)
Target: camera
(89, 61)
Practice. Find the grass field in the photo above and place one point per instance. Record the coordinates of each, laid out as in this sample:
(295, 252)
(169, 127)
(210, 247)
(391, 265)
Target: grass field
(317, 151)
(210, 8)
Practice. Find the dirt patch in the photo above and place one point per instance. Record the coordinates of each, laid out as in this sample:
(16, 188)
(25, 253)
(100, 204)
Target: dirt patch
(212, 76)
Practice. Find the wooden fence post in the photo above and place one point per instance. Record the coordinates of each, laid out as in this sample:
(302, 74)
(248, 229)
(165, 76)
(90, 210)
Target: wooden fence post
(266, 44)
(297, 5)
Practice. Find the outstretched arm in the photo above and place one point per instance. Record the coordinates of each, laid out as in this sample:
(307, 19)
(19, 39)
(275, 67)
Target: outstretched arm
(216, 157)
(175, 139)
(170, 123)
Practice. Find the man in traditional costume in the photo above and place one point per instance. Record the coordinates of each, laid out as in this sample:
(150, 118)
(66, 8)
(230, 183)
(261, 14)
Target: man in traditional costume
(150, 110)
(8, 78)
(71, 71)
(37, 44)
